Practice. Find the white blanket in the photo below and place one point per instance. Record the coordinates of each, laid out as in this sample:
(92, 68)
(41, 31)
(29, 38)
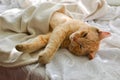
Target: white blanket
(66, 66)
(18, 26)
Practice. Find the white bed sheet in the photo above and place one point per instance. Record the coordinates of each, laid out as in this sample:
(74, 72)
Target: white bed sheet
(105, 66)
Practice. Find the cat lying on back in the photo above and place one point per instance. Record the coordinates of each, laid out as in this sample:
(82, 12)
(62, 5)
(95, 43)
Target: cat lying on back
(76, 36)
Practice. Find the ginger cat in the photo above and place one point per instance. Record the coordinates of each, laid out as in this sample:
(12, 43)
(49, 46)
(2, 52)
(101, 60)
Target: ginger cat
(76, 36)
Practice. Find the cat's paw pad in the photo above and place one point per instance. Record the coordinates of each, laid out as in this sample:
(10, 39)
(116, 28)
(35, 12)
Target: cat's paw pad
(19, 47)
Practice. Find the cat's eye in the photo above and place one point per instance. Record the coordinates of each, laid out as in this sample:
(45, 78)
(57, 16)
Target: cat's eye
(84, 34)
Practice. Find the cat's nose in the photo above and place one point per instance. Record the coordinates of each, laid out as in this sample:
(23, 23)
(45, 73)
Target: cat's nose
(72, 37)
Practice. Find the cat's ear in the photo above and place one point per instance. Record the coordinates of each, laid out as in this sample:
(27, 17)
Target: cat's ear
(104, 34)
(91, 55)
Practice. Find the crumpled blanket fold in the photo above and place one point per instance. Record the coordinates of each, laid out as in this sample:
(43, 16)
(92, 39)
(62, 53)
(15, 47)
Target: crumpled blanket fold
(18, 26)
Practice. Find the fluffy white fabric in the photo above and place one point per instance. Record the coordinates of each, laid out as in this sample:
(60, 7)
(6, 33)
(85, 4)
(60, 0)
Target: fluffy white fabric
(66, 66)
(114, 2)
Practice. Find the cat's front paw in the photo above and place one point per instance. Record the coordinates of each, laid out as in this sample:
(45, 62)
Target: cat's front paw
(44, 58)
(20, 47)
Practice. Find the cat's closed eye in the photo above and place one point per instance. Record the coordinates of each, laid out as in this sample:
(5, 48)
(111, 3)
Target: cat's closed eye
(80, 46)
(84, 34)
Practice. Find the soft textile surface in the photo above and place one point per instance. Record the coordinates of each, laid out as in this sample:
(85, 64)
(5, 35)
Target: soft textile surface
(28, 72)
(113, 2)
(20, 25)
(65, 66)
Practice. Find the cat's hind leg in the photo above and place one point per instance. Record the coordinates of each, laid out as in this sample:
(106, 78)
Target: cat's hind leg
(33, 45)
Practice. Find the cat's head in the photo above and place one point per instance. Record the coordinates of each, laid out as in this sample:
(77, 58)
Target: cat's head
(86, 41)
